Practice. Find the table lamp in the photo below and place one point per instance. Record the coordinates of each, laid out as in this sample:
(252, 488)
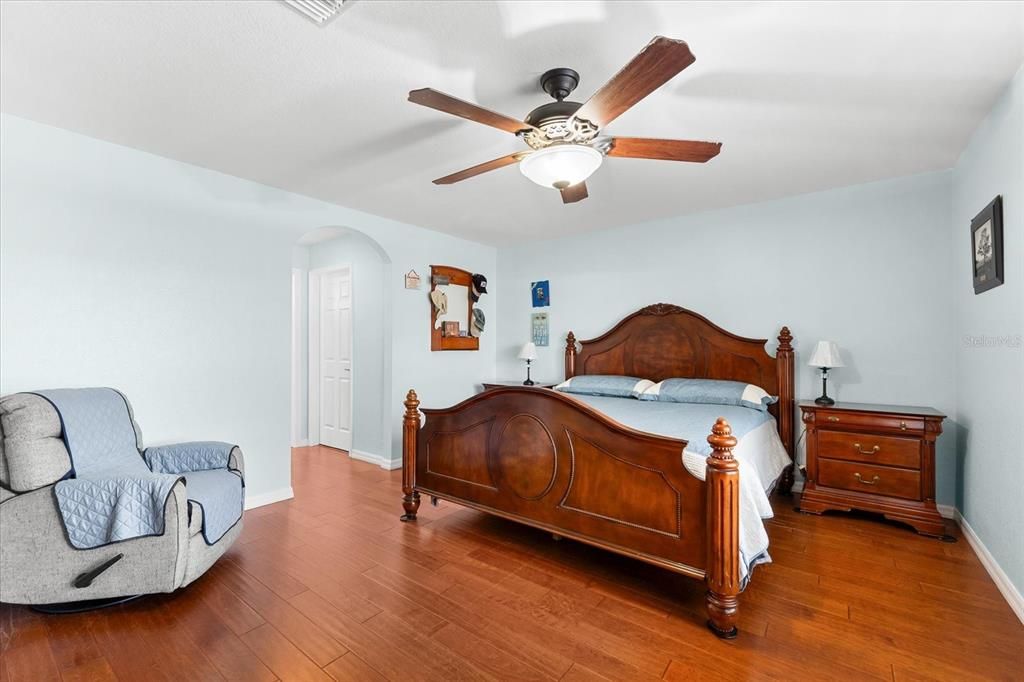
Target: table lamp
(528, 353)
(825, 356)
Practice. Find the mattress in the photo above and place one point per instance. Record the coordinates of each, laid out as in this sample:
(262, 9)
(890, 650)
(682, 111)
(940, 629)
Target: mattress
(761, 455)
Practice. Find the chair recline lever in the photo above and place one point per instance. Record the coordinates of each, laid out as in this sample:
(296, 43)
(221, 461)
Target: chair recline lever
(85, 579)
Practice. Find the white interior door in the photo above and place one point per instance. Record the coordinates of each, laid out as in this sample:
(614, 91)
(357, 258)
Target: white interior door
(336, 358)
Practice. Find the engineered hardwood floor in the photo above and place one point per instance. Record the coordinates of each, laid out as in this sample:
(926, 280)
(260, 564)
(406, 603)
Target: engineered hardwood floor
(331, 586)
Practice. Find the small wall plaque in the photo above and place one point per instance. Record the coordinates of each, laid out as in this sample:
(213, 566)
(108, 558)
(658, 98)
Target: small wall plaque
(539, 326)
(412, 280)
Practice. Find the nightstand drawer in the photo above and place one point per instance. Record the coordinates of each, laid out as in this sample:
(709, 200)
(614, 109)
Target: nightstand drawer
(865, 478)
(870, 448)
(828, 419)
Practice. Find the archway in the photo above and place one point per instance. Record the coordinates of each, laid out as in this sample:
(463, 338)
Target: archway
(324, 250)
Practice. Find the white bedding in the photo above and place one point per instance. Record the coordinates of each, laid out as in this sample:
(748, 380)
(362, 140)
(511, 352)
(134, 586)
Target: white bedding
(762, 458)
(761, 455)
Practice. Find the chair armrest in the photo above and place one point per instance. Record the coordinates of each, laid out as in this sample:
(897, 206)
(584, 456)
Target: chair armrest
(236, 462)
(181, 458)
(38, 564)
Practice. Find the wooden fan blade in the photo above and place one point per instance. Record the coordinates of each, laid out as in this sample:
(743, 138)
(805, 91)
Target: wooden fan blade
(467, 110)
(667, 150)
(662, 59)
(574, 193)
(493, 164)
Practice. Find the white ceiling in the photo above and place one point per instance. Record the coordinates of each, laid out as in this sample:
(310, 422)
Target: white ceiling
(803, 96)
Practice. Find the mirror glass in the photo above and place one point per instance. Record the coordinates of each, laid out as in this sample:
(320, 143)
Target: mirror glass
(458, 308)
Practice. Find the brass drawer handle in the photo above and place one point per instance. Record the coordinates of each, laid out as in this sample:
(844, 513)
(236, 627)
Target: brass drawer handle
(873, 481)
(833, 419)
(903, 426)
(872, 451)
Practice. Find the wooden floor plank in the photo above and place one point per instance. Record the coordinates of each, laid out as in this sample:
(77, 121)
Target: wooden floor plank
(304, 633)
(28, 656)
(72, 645)
(93, 670)
(486, 656)
(208, 631)
(380, 653)
(281, 656)
(330, 585)
(351, 668)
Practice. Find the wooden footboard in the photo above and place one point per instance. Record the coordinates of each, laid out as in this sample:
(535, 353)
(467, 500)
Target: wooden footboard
(547, 460)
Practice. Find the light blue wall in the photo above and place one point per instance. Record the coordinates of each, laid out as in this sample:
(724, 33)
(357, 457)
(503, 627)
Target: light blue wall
(171, 282)
(990, 375)
(369, 331)
(865, 266)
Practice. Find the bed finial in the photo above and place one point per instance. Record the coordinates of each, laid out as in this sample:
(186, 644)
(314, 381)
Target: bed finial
(410, 429)
(785, 340)
(570, 355)
(723, 560)
(721, 440)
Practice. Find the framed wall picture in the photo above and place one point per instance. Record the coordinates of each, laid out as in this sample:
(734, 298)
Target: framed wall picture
(540, 292)
(987, 247)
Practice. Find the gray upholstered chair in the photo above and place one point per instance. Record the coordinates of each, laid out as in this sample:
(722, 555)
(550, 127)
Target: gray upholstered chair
(38, 564)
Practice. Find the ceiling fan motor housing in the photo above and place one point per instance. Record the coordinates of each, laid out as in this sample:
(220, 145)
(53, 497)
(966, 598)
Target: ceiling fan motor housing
(551, 112)
(559, 83)
(553, 122)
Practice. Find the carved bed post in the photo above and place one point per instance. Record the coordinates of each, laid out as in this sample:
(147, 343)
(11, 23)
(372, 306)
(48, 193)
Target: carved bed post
(410, 427)
(784, 354)
(723, 553)
(570, 356)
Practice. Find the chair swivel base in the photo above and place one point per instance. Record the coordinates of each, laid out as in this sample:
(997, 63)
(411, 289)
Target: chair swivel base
(85, 605)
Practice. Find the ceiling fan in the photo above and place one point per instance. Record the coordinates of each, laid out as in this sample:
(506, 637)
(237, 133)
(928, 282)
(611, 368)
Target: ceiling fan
(565, 137)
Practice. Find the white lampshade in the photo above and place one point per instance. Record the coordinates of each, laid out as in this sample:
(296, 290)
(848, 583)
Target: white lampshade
(826, 354)
(528, 352)
(561, 165)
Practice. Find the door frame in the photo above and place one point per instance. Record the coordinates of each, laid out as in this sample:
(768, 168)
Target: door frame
(313, 299)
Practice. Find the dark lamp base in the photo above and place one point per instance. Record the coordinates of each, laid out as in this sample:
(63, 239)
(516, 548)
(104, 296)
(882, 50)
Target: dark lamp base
(528, 382)
(824, 400)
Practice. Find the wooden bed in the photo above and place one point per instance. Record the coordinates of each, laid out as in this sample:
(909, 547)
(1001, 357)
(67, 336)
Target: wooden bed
(544, 459)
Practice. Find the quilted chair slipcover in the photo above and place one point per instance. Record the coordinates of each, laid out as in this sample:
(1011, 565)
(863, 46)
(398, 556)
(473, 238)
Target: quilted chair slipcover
(38, 564)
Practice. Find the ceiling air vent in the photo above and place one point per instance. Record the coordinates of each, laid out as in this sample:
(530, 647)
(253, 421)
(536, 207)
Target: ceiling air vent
(320, 12)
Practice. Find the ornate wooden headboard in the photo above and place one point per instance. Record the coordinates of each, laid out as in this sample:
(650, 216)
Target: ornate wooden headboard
(663, 341)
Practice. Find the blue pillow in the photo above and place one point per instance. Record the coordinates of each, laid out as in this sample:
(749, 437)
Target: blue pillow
(608, 385)
(710, 391)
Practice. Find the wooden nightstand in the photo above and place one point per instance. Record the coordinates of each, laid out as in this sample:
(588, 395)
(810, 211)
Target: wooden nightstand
(488, 385)
(877, 458)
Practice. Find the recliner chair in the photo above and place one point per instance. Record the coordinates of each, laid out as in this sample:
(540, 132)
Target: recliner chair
(38, 564)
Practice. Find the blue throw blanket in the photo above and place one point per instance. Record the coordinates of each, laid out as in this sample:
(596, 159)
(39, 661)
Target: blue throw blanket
(112, 494)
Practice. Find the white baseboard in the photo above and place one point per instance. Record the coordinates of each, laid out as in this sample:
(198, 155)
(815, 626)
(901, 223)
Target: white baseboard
(301, 444)
(371, 458)
(253, 501)
(1009, 591)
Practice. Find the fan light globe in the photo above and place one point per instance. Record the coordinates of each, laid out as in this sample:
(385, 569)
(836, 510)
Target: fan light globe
(562, 165)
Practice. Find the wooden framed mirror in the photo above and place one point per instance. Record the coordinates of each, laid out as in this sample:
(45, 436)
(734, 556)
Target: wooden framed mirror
(455, 284)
